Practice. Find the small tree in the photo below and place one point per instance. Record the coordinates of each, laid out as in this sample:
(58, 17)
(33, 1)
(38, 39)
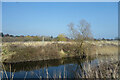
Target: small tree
(80, 33)
(61, 37)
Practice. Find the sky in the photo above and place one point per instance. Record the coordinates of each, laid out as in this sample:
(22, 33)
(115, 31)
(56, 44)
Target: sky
(52, 18)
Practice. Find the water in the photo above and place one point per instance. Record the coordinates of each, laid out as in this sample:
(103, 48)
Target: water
(61, 68)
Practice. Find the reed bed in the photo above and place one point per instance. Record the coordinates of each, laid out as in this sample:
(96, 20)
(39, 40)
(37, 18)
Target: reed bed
(102, 70)
(4, 75)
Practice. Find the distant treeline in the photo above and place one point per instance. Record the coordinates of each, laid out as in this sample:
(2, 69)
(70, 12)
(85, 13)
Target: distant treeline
(12, 38)
(61, 37)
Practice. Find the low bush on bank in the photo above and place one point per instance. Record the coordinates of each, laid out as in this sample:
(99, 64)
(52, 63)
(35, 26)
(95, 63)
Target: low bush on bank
(20, 53)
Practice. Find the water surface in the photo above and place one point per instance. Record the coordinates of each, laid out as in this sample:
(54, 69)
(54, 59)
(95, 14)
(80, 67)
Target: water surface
(61, 68)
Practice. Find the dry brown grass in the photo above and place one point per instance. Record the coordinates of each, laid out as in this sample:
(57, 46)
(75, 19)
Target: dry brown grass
(103, 70)
(19, 53)
(107, 50)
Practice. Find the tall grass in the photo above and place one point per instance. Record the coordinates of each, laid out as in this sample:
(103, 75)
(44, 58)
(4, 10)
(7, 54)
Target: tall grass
(5, 75)
(102, 70)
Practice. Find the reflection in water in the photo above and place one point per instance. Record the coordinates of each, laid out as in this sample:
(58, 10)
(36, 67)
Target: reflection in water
(27, 66)
(65, 68)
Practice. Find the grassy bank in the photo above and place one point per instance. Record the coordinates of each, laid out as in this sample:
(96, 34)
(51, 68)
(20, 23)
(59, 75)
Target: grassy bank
(21, 52)
(35, 51)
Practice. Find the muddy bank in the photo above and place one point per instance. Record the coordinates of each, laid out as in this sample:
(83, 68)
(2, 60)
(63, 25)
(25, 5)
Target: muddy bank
(21, 52)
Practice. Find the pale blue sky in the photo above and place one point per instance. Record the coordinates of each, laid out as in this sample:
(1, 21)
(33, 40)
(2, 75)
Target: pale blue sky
(29, 18)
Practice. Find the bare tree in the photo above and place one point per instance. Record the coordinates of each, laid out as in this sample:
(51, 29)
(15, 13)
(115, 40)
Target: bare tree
(80, 33)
